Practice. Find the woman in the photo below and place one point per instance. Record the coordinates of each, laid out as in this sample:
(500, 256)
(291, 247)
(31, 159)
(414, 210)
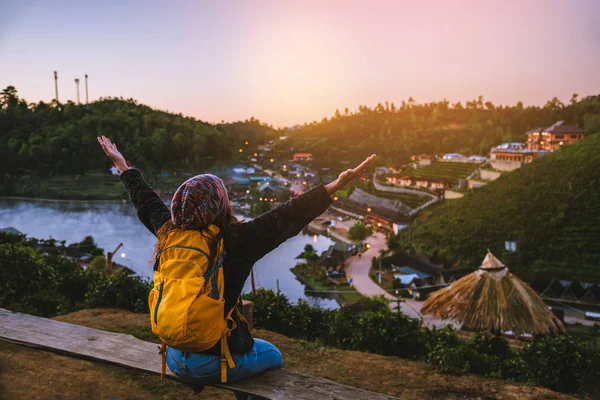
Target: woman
(200, 202)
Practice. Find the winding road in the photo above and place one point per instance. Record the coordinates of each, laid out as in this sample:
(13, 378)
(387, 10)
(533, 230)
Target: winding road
(358, 269)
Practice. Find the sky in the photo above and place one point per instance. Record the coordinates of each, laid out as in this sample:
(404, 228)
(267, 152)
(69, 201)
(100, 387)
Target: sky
(290, 62)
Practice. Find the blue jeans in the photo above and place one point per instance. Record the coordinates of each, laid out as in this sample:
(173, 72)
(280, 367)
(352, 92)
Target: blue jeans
(206, 369)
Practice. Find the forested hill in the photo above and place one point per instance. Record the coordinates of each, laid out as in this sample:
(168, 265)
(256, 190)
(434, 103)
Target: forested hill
(61, 139)
(550, 207)
(397, 132)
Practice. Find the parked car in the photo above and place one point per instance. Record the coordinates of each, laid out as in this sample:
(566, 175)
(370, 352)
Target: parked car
(478, 158)
(453, 156)
(336, 274)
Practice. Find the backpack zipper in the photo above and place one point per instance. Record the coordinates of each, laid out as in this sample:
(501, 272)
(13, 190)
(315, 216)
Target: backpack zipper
(160, 292)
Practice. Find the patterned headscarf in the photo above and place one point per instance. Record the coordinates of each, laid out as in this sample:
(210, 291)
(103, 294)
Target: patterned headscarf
(199, 202)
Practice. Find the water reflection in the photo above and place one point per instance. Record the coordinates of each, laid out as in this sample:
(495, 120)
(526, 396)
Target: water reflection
(111, 223)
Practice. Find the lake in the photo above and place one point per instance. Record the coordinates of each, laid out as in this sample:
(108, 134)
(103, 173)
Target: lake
(111, 223)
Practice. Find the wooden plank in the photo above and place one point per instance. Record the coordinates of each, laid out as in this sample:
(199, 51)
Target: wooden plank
(129, 352)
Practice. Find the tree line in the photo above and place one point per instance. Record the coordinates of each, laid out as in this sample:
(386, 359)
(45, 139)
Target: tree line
(60, 138)
(56, 138)
(396, 133)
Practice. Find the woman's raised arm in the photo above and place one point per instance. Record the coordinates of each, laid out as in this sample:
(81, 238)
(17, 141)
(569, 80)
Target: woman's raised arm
(274, 227)
(151, 210)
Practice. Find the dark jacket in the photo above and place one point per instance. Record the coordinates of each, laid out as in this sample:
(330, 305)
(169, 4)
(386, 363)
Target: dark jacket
(256, 238)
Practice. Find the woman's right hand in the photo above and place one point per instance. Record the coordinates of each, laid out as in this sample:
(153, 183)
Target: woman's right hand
(348, 175)
(110, 149)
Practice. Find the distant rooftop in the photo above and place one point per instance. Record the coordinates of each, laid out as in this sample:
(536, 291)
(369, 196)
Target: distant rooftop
(512, 147)
(12, 230)
(561, 127)
(557, 127)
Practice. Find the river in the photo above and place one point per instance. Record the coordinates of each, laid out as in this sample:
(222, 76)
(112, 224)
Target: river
(111, 223)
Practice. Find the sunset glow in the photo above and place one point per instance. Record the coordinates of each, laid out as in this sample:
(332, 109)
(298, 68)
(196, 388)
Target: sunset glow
(294, 62)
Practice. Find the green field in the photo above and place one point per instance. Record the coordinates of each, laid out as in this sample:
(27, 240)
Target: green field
(449, 171)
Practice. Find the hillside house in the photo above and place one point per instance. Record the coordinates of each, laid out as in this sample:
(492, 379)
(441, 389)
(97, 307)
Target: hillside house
(303, 157)
(553, 137)
(337, 253)
(517, 152)
(267, 192)
(422, 160)
(383, 213)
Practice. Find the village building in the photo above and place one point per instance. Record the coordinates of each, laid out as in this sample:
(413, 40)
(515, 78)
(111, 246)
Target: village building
(260, 179)
(553, 137)
(303, 157)
(407, 181)
(517, 152)
(540, 141)
(422, 160)
(267, 192)
(337, 253)
(383, 213)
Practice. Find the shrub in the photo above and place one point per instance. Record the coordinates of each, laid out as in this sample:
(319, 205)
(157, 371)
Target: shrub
(358, 231)
(51, 284)
(564, 364)
(120, 290)
(559, 363)
(23, 272)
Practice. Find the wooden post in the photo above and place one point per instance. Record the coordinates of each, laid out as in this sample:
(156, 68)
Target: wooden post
(252, 280)
(109, 264)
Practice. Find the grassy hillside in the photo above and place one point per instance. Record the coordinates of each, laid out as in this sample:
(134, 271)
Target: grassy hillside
(24, 376)
(550, 207)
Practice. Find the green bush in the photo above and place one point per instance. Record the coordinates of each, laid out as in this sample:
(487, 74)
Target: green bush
(564, 364)
(49, 284)
(23, 273)
(359, 232)
(120, 290)
(560, 363)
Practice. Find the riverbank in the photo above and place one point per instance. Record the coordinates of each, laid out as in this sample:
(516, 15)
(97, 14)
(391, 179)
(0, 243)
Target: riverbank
(315, 281)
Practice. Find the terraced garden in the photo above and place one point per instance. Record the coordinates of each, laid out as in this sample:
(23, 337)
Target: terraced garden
(411, 200)
(550, 207)
(449, 171)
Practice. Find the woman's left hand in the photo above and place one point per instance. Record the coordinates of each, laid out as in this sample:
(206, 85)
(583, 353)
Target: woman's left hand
(348, 175)
(110, 149)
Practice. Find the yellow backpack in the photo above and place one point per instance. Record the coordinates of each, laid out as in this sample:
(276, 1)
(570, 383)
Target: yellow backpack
(186, 303)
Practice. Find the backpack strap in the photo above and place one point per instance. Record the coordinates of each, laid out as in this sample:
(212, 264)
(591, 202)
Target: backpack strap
(226, 358)
(163, 356)
(156, 263)
(212, 274)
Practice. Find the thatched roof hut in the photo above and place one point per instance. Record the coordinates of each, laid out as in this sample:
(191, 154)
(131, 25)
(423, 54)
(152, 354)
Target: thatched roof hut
(494, 300)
